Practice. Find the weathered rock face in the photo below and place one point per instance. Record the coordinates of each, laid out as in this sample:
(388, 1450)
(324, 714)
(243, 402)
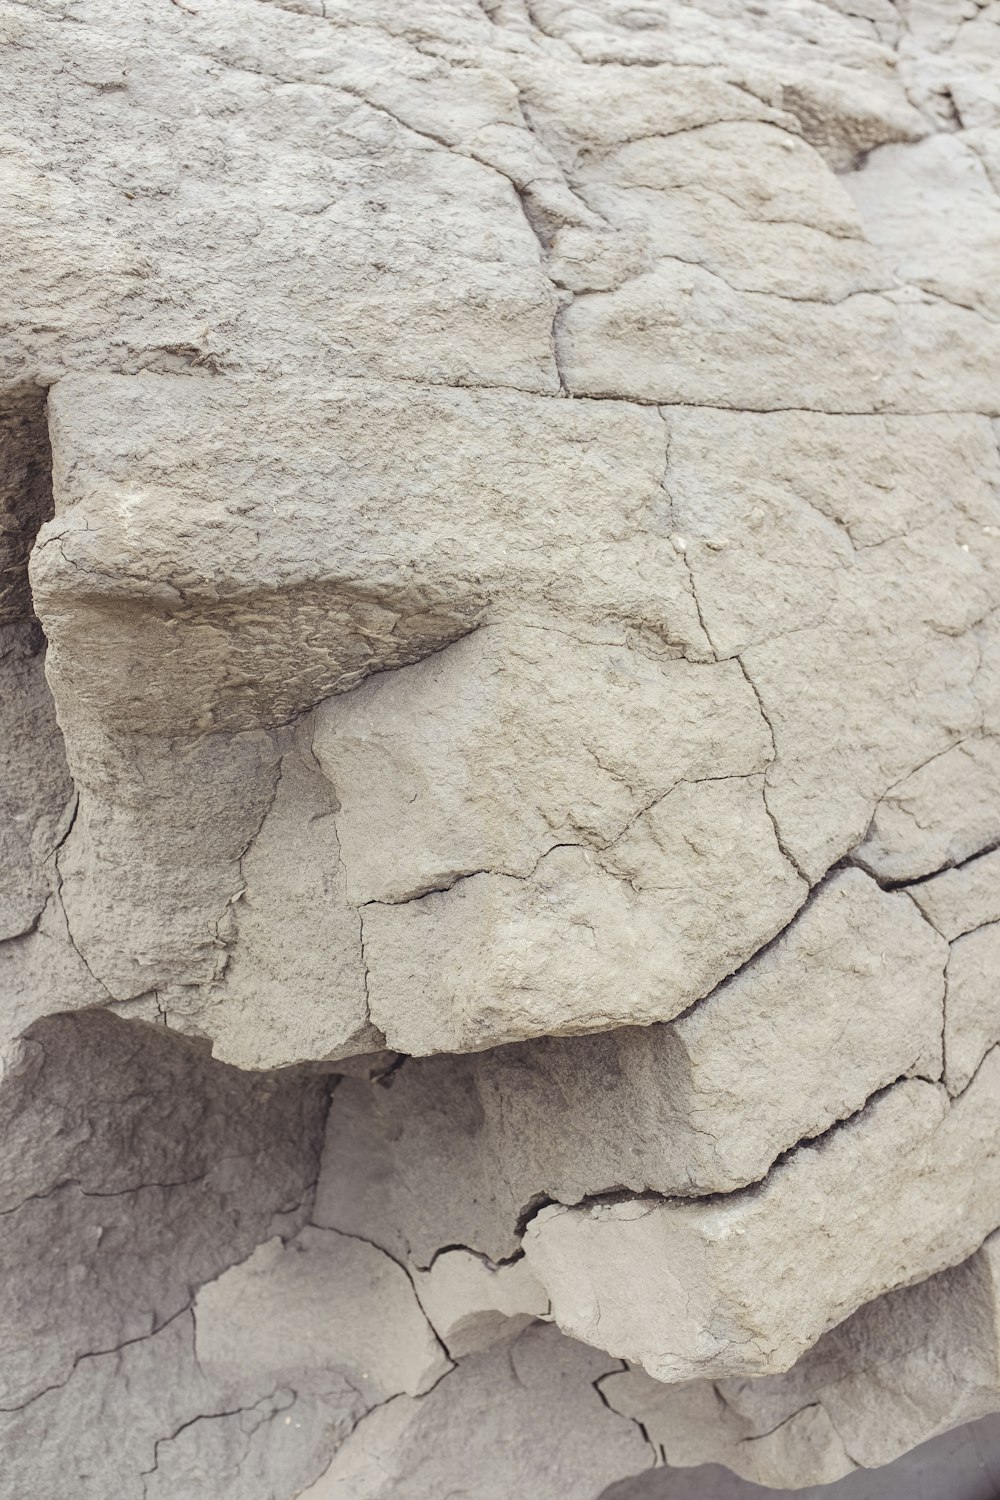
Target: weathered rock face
(500, 744)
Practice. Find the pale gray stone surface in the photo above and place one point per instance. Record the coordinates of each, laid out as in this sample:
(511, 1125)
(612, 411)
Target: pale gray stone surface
(746, 1283)
(472, 1304)
(963, 898)
(942, 815)
(918, 1361)
(510, 665)
(964, 1463)
(534, 1405)
(456, 1150)
(972, 1017)
(380, 501)
(321, 1303)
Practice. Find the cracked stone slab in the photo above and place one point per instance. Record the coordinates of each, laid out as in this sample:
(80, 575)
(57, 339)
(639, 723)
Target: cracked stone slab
(589, 940)
(972, 1012)
(916, 1362)
(757, 351)
(858, 99)
(944, 814)
(729, 1289)
(851, 562)
(454, 1150)
(321, 1304)
(523, 540)
(143, 1165)
(38, 964)
(896, 185)
(306, 185)
(490, 753)
(692, 1425)
(106, 1419)
(961, 898)
(750, 203)
(275, 1444)
(283, 580)
(145, 1420)
(316, 539)
(471, 1304)
(548, 1432)
(289, 927)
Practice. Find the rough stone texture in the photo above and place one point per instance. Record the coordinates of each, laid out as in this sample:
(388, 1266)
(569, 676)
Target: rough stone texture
(728, 1289)
(457, 1150)
(972, 1019)
(961, 899)
(473, 1304)
(962, 1463)
(504, 698)
(288, 1307)
(536, 1402)
(918, 1361)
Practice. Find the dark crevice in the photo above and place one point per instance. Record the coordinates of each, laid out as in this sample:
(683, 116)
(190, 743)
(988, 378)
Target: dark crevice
(480, 1255)
(613, 1195)
(779, 839)
(25, 492)
(907, 882)
(626, 1416)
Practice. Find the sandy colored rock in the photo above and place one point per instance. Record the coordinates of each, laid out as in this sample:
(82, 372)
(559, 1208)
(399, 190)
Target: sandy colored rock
(972, 1011)
(942, 815)
(379, 503)
(457, 1150)
(917, 1361)
(489, 754)
(962, 898)
(897, 186)
(629, 342)
(145, 1419)
(807, 546)
(511, 646)
(728, 1289)
(588, 940)
(320, 1303)
(146, 1168)
(548, 1430)
(691, 1424)
(471, 1304)
(289, 927)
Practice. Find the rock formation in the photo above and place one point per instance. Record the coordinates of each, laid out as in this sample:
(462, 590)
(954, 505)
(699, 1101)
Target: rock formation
(500, 696)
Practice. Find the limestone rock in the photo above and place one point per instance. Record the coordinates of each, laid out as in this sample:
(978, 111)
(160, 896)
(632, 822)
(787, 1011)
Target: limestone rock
(918, 1361)
(897, 185)
(962, 898)
(471, 1304)
(535, 1402)
(972, 1014)
(728, 1289)
(137, 1169)
(587, 941)
(489, 754)
(942, 815)
(456, 1150)
(500, 644)
(319, 1303)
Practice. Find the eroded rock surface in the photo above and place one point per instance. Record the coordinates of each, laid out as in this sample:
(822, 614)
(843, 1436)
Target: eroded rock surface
(500, 743)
